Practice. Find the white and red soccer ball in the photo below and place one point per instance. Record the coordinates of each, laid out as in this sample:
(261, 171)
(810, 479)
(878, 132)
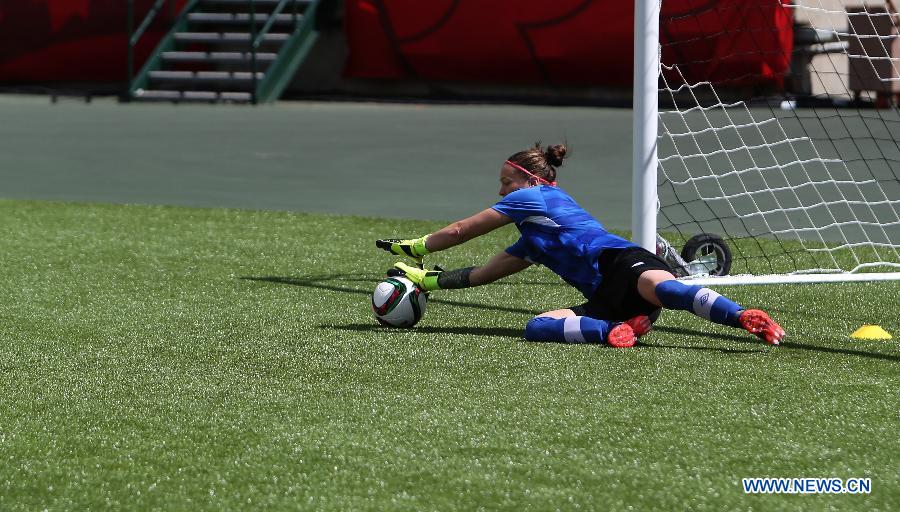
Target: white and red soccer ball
(398, 302)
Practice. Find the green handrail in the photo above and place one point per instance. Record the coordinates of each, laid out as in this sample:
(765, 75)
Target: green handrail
(257, 38)
(139, 80)
(134, 36)
(302, 39)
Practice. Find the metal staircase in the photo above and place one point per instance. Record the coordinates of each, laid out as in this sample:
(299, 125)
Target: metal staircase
(241, 51)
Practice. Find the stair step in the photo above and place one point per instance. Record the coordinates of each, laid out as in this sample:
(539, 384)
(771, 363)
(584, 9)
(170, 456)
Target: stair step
(226, 37)
(168, 95)
(157, 95)
(263, 3)
(217, 76)
(239, 18)
(219, 40)
(217, 56)
(246, 2)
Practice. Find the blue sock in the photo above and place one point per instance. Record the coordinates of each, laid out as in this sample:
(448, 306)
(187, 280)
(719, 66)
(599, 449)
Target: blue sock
(700, 301)
(573, 329)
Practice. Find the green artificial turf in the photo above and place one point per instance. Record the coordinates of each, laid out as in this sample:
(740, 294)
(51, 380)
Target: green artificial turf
(173, 358)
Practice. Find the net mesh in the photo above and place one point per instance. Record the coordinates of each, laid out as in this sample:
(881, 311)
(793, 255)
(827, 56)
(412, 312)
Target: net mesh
(778, 131)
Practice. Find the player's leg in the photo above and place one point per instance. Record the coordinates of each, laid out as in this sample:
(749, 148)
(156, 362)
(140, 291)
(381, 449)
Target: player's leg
(617, 297)
(615, 312)
(567, 326)
(660, 287)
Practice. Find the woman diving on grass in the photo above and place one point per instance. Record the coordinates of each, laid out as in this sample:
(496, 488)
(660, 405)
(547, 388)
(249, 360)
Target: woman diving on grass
(625, 285)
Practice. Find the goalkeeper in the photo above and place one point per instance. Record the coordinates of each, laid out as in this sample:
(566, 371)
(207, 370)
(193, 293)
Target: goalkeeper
(625, 285)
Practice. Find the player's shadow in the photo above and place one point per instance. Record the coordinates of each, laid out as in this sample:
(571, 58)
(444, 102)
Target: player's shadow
(319, 282)
(652, 340)
(658, 334)
(472, 331)
(517, 334)
(792, 345)
(322, 283)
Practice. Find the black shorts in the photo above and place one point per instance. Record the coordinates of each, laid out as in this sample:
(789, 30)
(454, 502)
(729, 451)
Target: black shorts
(617, 296)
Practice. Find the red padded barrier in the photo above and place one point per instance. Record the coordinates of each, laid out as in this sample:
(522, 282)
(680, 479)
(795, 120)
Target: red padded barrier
(564, 42)
(72, 40)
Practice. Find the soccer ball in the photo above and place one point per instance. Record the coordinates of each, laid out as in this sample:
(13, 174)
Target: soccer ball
(398, 302)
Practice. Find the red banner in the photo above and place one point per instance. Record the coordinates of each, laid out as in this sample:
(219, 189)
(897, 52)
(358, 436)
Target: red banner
(73, 40)
(560, 43)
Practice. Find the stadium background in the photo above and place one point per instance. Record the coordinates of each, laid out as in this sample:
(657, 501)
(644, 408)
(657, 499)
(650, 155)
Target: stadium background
(515, 48)
(448, 51)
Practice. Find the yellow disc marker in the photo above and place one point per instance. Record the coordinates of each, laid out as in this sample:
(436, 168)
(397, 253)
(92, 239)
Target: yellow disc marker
(871, 332)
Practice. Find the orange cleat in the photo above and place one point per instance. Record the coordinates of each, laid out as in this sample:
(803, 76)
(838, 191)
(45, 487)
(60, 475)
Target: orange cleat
(621, 336)
(758, 322)
(641, 325)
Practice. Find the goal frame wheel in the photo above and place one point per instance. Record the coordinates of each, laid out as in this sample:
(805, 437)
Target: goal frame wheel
(704, 244)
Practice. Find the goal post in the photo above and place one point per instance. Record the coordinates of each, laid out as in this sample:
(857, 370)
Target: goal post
(644, 124)
(767, 134)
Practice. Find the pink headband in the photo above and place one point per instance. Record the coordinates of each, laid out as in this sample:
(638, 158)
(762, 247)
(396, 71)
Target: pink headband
(519, 167)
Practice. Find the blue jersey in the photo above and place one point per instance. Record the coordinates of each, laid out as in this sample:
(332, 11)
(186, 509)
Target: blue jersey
(558, 234)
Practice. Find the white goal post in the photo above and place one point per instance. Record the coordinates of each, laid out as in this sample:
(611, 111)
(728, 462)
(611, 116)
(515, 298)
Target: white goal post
(770, 127)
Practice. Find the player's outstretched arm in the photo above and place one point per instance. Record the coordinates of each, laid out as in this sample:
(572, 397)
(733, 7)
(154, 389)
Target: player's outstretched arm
(450, 236)
(499, 266)
(464, 230)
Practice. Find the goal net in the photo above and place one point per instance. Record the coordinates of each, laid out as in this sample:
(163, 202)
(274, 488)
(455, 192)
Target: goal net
(779, 138)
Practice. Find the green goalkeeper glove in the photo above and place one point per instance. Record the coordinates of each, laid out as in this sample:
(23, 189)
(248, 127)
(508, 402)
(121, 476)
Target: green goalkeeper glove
(415, 248)
(425, 279)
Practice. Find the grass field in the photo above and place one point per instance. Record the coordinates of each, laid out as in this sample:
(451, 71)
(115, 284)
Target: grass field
(174, 358)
